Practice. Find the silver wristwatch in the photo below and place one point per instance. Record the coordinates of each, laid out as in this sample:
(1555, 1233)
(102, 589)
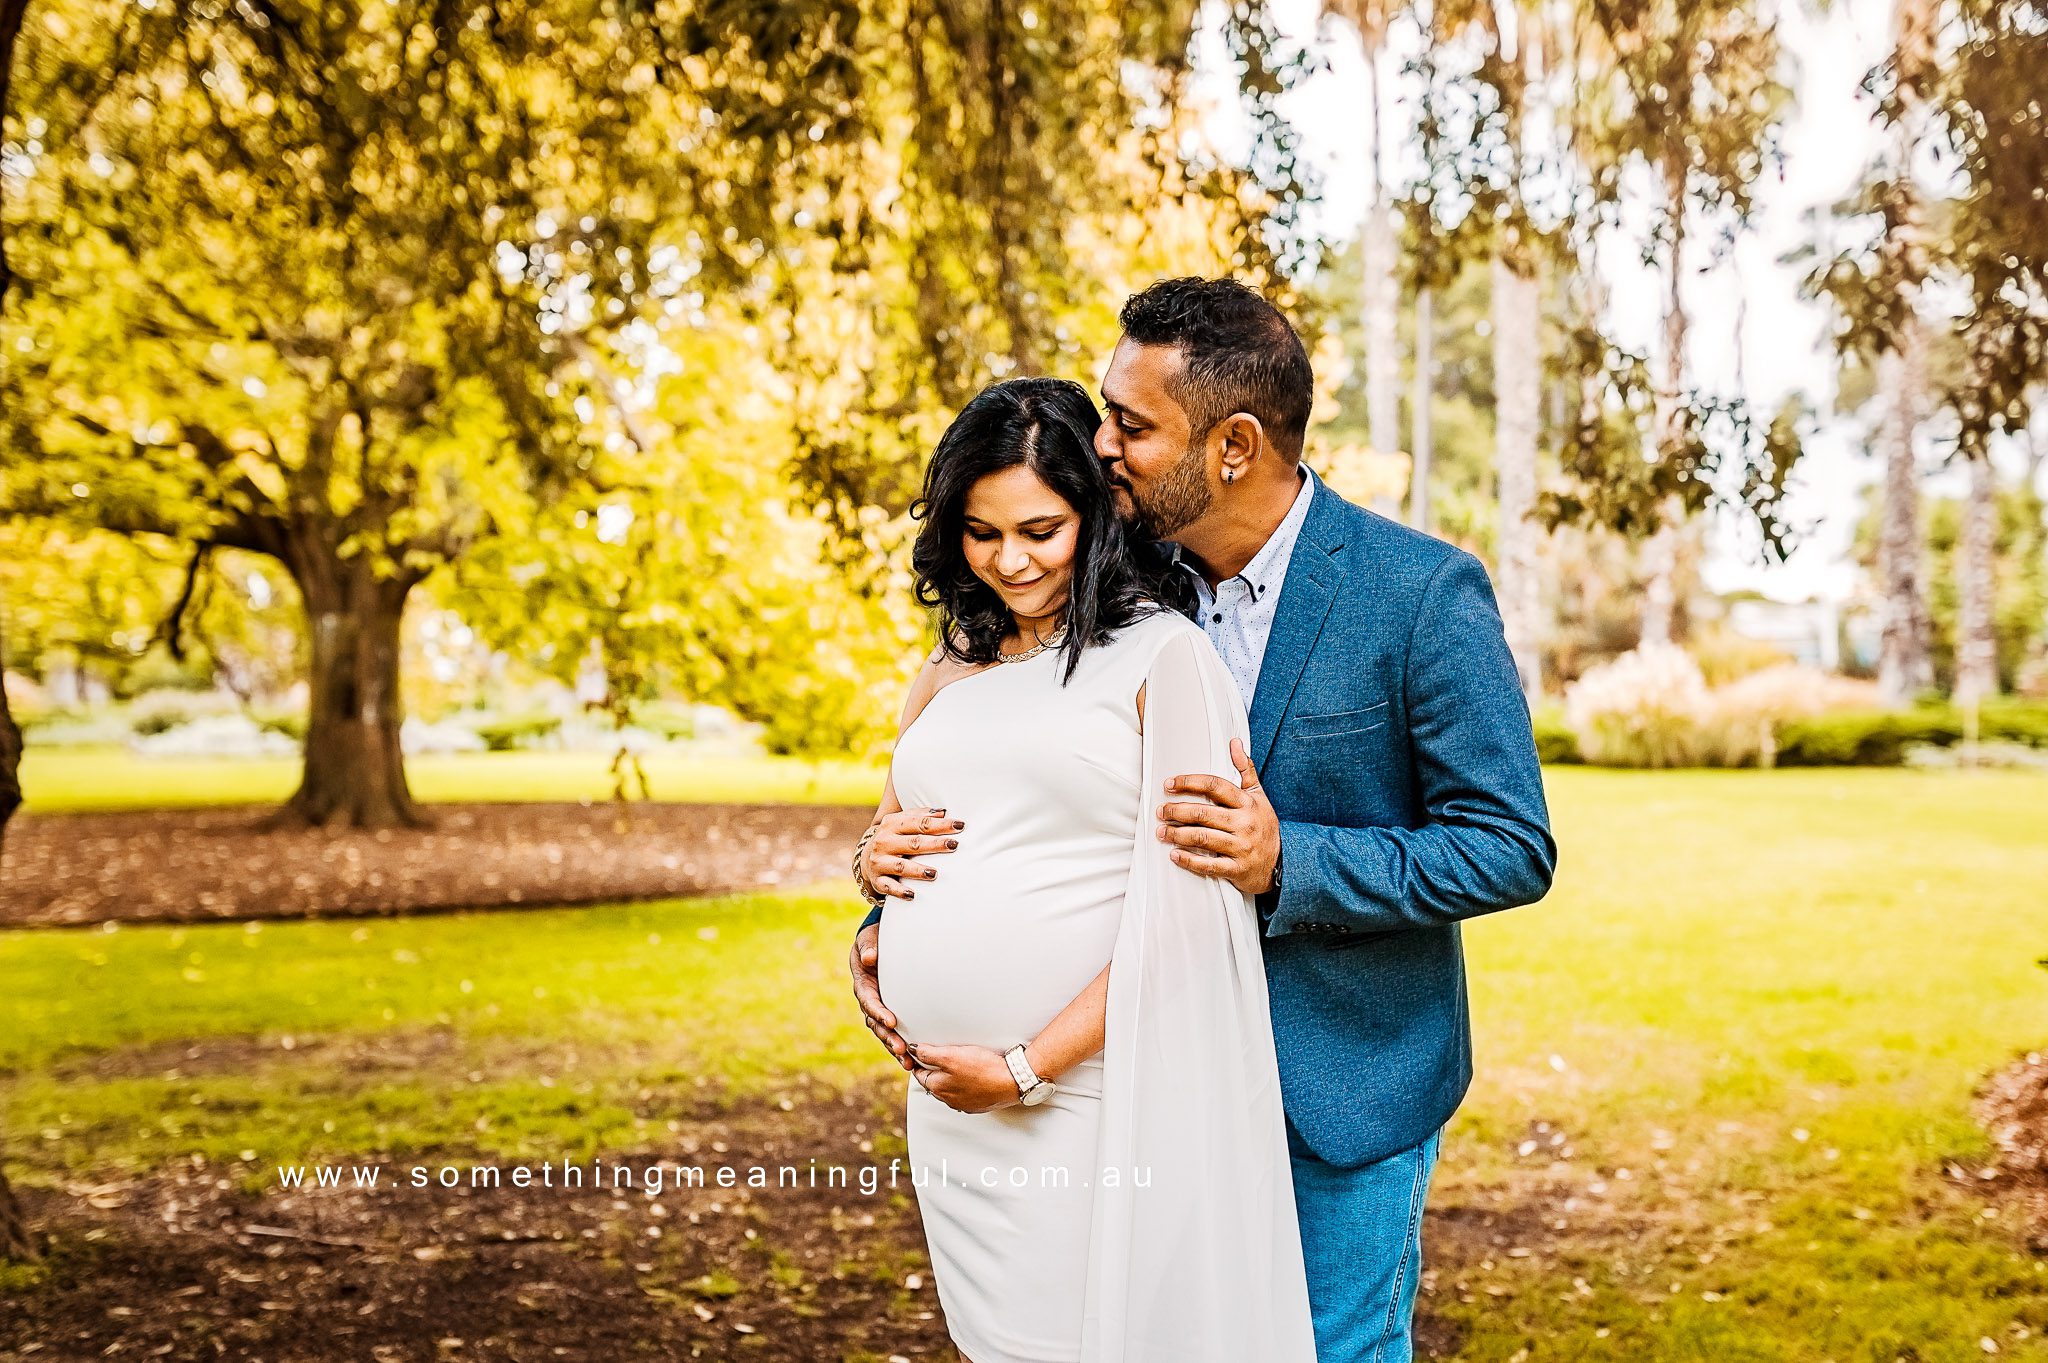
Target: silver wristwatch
(1031, 1090)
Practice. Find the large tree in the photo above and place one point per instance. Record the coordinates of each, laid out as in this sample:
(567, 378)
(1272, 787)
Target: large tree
(1996, 248)
(315, 282)
(1485, 125)
(1693, 95)
(1876, 285)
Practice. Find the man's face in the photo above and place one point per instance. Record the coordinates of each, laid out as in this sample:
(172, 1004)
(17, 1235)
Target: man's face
(1161, 476)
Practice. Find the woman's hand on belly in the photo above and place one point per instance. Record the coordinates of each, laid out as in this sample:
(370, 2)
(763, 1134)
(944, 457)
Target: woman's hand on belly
(964, 1078)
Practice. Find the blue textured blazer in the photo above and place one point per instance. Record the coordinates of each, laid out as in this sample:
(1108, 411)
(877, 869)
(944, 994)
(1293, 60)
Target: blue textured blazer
(1390, 733)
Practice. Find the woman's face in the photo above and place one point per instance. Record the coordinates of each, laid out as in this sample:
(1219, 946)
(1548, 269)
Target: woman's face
(1020, 538)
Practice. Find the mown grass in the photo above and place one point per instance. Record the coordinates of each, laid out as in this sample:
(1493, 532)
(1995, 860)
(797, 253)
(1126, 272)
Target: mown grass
(1756, 1005)
(77, 780)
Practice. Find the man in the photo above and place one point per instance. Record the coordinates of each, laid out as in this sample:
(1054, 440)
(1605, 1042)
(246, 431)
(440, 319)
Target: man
(1390, 793)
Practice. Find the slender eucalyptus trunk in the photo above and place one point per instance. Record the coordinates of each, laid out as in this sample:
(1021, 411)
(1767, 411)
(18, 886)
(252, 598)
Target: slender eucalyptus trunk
(1977, 580)
(1517, 361)
(1419, 401)
(1382, 302)
(1904, 667)
(354, 772)
(1660, 551)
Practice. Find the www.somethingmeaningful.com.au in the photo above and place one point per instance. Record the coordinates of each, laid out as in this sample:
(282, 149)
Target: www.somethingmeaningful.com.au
(666, 1176)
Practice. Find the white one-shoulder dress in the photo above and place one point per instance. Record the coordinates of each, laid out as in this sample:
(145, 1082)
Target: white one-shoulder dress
(1145, 1212)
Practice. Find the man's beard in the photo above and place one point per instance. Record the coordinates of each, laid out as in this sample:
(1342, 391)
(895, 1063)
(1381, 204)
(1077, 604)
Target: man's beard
(1182, 495)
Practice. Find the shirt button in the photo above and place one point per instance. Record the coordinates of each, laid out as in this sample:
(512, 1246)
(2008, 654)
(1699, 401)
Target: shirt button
(1217, 618)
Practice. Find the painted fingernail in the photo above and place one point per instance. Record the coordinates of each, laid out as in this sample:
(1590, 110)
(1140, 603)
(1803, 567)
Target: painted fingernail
(930, 874)
(958, 825)
(952, 842)
(910, 894)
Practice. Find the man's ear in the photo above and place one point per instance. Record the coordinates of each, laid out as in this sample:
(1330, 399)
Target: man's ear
(1239, 440)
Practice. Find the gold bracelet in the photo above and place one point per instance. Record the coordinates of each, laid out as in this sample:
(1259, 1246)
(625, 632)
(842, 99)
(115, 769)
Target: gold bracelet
(874, 897)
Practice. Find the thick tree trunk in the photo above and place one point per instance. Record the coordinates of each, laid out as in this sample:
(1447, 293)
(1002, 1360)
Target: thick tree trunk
(1421, 396)
(1904, 668)
(15, 1241)
(354, 772)
(1517, 361)
(1977, 580)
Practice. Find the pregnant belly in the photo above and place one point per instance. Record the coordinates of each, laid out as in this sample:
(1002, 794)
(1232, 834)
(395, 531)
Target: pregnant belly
(993, 949)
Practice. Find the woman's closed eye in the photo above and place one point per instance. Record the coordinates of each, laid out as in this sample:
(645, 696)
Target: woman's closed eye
(1036, 536)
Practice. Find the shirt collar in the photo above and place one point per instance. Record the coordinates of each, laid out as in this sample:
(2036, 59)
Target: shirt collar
(1268, 568)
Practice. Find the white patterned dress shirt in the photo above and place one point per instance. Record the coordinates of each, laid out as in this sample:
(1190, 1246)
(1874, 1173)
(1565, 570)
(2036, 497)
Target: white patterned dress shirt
(1238, 614)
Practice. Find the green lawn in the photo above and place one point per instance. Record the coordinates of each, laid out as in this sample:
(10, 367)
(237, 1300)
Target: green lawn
(1766, 997)
(66, 780)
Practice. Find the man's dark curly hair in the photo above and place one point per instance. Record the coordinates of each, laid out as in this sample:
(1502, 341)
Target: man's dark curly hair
(1047, 425)
(1239, 355)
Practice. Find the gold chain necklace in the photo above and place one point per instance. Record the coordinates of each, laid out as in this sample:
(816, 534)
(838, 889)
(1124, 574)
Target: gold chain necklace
(1051, 640)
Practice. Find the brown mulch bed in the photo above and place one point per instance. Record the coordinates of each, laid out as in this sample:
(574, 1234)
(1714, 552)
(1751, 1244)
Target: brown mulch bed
(2013, 1106)
(203, 865)
(185, 1264)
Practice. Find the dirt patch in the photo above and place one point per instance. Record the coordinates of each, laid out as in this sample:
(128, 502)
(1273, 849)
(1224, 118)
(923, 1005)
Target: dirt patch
(206, 865)
(186, 1264)
(397, 1051)
(2013, 1106)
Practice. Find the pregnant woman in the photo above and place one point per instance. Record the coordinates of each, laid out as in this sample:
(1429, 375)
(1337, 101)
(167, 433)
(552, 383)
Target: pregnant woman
(1094, 1115)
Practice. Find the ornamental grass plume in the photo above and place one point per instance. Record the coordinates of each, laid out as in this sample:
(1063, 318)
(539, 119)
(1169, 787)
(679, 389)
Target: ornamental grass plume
(1647, 708)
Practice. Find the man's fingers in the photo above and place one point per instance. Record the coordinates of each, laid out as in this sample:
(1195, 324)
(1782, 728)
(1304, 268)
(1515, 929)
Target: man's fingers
(1207, 816)
(872, 1007)
(867, 990)
(1201, 839)
(889, 1037)
(1213, 787)
(1219, 867)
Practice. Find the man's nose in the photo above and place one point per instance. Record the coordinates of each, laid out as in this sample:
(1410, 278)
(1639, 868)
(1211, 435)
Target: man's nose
(1105, 442)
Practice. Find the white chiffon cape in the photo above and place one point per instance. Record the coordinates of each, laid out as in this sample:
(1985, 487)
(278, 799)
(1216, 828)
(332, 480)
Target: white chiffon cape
(1194, 1250)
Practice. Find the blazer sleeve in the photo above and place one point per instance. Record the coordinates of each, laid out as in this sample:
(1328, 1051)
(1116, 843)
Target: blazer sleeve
(1485, 842)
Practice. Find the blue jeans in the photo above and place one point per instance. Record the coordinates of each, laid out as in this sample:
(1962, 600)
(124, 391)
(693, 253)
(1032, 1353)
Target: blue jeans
(1361, 1236)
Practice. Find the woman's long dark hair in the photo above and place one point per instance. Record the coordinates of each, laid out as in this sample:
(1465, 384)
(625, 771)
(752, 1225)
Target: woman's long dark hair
(1048, 426)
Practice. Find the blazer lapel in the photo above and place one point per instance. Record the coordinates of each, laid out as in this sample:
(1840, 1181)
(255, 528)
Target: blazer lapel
(1305, 599)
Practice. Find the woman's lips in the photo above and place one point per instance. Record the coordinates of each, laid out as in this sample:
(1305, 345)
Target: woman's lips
(1022, 586)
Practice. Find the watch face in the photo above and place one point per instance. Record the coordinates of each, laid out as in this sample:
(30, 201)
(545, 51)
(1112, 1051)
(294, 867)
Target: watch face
(1038, 1094)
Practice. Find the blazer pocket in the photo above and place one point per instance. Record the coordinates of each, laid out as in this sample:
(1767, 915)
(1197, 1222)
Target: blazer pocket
(1340, 722)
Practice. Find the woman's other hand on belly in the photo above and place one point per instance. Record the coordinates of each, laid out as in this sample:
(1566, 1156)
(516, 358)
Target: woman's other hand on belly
(964, 1078)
